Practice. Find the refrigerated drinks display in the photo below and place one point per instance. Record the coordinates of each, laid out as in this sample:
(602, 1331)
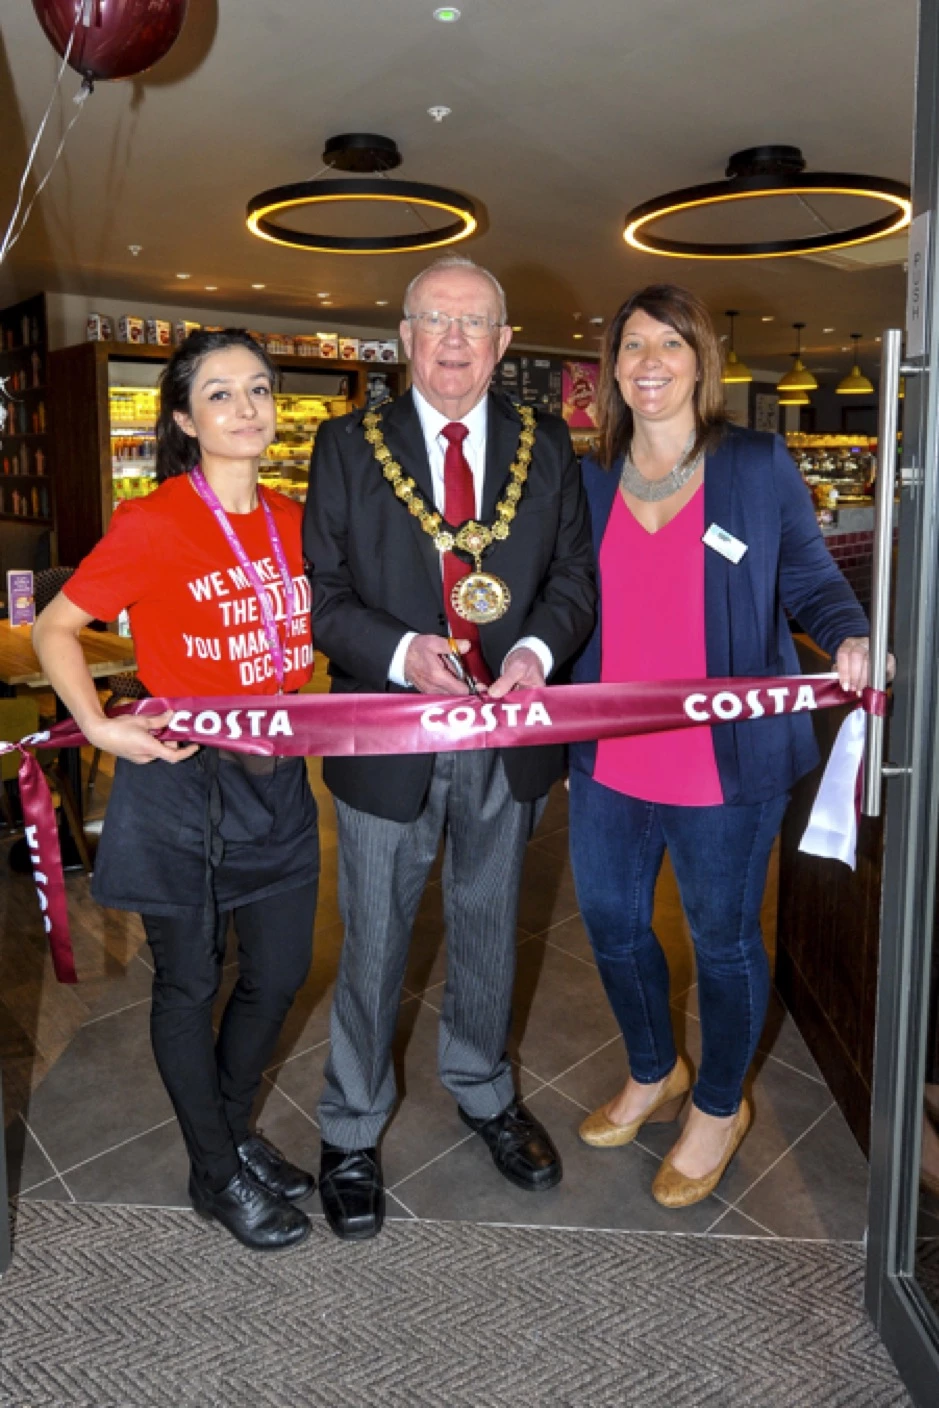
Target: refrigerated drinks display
(133, 413)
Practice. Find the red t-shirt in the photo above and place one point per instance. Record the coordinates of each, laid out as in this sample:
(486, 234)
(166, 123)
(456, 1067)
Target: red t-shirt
(195, 618)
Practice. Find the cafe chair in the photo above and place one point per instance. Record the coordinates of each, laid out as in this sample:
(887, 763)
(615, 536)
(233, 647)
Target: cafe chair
(48, 583)
(19, 717)
(123, 686)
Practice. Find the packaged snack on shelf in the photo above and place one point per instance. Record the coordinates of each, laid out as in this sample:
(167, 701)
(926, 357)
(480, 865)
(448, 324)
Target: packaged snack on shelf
(307, 346)
(369, 349)
(388, 350)
(130, 329)
(22, 603)
(348, 349)
(329, 344)
(98, 328)
(159, 332)
(182, 330)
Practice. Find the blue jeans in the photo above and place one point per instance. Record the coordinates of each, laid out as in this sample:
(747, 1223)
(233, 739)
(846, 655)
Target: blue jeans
(720, 857)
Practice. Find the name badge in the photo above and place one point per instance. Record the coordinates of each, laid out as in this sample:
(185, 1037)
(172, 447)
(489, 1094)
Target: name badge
(725, 543)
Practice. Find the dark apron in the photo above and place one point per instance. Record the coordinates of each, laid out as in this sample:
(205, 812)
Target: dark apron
(218, 830)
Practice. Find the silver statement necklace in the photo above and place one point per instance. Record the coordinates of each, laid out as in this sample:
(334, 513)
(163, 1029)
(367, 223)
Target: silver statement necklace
(652, 491)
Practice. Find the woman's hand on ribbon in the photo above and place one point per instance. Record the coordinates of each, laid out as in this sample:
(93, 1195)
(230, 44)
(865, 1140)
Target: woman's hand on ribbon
(852, 663)
(133, 736)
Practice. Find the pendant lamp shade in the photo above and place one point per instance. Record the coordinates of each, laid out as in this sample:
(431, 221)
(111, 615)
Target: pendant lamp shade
(855, 383)
(794, 398)
(800, 378)
(735, 372)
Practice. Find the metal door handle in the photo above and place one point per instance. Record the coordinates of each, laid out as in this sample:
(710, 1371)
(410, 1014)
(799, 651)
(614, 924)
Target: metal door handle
(884, 493)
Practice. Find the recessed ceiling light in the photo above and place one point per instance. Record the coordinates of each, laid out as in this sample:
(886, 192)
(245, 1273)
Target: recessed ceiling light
(597, 322)
(516, 327)
(578, 336)
(184, 276)
(446, 14)
(381, 303)
(210, 288)
(259, 285)
(827, 329)
(767, 318)
(327, 303)
(438, 112)
(322, 295)
(135, 249)
(876, 339)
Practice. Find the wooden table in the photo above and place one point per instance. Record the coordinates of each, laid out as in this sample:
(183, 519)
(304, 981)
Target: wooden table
(105, 654)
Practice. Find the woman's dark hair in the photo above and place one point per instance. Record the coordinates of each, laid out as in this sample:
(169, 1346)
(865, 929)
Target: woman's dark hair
(177, 452)
(683, 311)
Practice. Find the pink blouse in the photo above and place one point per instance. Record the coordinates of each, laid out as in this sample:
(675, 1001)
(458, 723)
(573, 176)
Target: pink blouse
(652, 594)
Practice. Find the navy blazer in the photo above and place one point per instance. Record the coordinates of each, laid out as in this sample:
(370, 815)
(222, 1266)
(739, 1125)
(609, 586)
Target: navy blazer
(753, 489)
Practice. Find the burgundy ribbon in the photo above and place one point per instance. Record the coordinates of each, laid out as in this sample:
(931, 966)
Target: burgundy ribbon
(365, 725)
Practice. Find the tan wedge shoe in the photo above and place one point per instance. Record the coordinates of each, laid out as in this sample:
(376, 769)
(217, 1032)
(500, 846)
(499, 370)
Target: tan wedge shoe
(674, 1189)
(599, 1131)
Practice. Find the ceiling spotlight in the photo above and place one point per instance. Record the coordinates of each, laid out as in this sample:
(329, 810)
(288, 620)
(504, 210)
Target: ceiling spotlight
(757, 174)
(516, 327)
(379, 302)
(597, 322)
(767, 318)
(373, 155)
(259, 285)
(184, 276)
(438, 112)
(827, 329)
(578, 336)
(135, 249)
(446, 14)
(211, 288)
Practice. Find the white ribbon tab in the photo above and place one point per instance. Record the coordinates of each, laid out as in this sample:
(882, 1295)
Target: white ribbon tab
(832, 828)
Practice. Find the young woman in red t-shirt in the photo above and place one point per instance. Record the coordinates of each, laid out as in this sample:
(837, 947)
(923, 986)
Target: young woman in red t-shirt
(210, 570)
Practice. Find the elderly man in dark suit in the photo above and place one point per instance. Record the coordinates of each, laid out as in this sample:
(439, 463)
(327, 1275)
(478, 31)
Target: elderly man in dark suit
(391, 591)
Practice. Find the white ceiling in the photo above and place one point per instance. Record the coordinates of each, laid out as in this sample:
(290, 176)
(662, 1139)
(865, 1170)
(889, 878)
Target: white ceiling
(564, 117)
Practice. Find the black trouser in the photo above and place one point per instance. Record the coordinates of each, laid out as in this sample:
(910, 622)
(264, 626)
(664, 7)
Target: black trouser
(213, 1082)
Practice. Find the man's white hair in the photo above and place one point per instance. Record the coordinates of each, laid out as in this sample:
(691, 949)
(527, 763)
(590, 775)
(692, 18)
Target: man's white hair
(456, 261)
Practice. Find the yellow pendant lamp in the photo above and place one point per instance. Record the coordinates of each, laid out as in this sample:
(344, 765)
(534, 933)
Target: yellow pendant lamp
(800, 378)
(735, 372)
(855, 383)
(794, 398)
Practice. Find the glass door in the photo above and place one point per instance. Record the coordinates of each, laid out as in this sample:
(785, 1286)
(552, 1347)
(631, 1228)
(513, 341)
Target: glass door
(903, 776)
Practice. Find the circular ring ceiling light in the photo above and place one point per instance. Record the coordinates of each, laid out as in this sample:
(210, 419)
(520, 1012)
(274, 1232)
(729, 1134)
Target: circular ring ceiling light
(760, 173)
(362, 152)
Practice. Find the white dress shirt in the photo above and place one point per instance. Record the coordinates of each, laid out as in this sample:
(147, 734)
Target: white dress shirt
(474, 449)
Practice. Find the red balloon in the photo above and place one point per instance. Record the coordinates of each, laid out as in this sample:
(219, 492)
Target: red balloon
(121, 38)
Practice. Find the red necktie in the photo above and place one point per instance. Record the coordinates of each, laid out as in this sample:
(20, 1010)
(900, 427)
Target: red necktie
(459, 505)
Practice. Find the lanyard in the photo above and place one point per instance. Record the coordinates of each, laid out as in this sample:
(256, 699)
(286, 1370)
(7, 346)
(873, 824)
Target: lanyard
(278, 654)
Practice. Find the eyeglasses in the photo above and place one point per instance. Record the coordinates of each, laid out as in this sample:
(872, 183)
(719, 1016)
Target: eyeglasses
(437, 324)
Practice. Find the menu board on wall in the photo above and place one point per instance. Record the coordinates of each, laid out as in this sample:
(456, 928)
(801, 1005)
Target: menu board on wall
(551, 384)
(579, 401)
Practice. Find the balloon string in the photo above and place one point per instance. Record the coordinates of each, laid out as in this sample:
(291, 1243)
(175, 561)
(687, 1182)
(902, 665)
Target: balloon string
(9, 239)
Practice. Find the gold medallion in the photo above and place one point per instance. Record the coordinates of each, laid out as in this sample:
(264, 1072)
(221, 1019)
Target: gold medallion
(480, 598)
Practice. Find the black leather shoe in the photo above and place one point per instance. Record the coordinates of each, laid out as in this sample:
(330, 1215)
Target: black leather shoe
(275, 1173)
(259, 1219)
(521, 1148)
(352, 1192)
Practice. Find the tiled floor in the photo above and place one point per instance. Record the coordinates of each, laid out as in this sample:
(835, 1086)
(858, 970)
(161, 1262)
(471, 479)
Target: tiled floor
(99, 1127)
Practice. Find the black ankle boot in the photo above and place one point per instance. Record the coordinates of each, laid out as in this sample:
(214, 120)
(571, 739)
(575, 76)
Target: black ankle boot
(259, 1219)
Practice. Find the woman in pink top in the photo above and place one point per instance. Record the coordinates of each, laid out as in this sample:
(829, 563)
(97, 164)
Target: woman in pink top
(681, 600)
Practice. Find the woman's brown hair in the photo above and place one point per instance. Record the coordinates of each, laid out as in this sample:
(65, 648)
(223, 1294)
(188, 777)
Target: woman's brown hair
(682, 310)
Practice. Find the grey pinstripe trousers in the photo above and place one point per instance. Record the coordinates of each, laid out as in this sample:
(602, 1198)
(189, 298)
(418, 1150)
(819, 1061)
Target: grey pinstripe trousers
(383, 869)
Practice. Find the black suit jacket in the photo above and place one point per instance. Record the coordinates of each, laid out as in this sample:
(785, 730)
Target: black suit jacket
(375, 574)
